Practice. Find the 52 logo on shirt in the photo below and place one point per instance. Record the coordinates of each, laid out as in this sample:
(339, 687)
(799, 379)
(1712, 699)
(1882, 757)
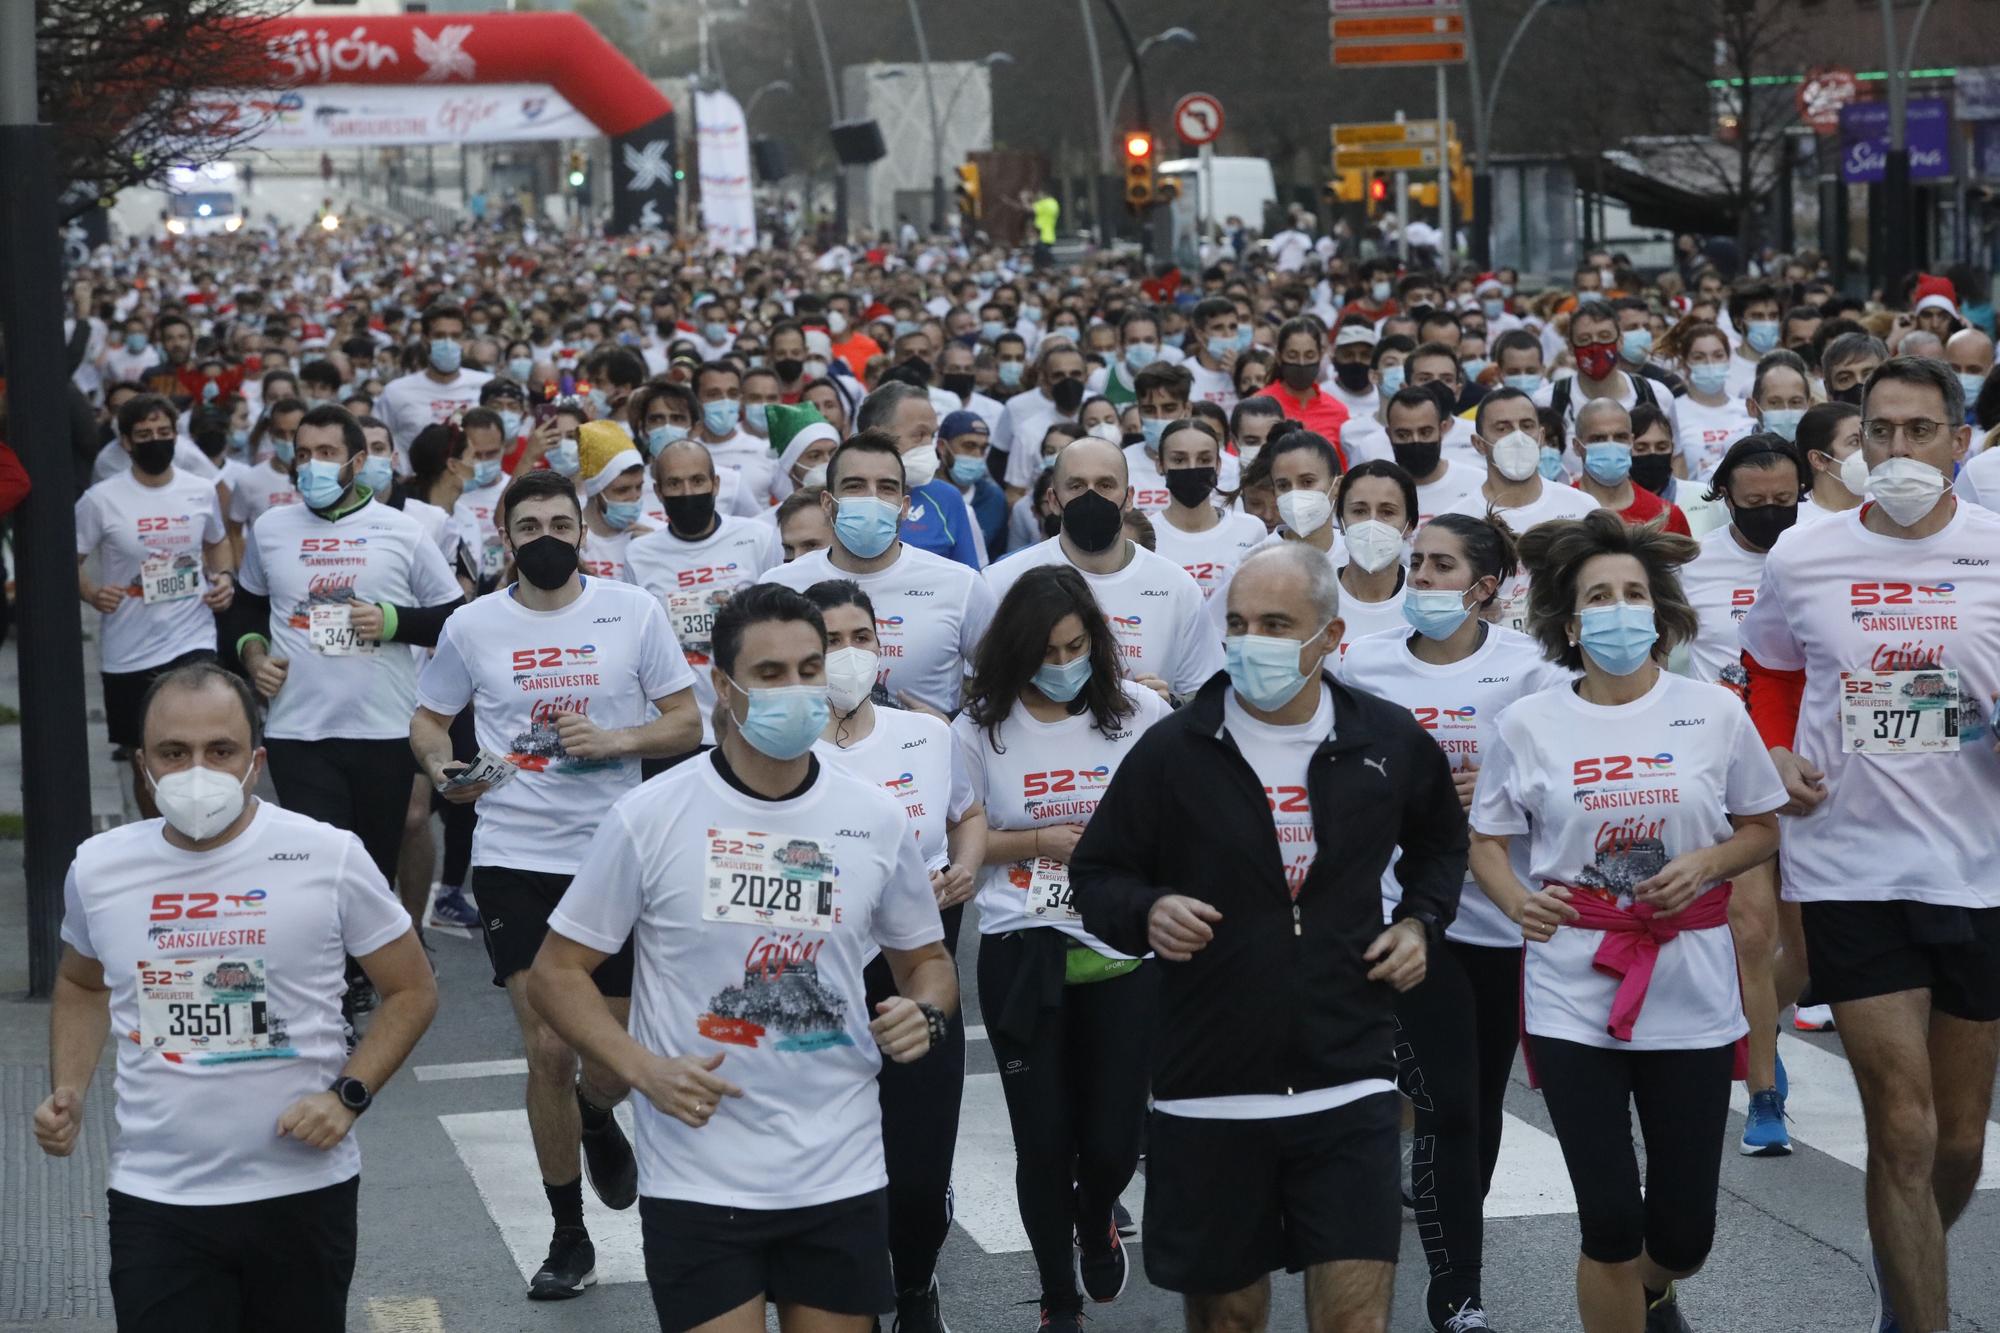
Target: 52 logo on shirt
(1059, 780)
(206, 906)
(543, 659)
(1621, 768)
(1430, 719)
(161, 523)
(703, 574)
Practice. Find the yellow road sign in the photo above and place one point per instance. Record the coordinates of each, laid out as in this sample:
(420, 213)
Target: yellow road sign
(1386, 159)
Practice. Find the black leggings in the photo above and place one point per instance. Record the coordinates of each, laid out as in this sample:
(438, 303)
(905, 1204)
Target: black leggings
(1076, 1097)
(1683, 1101)
(1454, 1051)
(362, 786)
(920, 1105)
(459, 820)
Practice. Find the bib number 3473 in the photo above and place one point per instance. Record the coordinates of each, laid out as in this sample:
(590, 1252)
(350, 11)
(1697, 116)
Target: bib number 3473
(1899, 712)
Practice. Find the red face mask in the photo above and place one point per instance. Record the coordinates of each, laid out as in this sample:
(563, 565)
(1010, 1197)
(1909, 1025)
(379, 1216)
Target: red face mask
(1596, 360)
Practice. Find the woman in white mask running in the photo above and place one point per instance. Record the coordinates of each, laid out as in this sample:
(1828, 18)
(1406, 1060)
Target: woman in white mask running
(1377, 505)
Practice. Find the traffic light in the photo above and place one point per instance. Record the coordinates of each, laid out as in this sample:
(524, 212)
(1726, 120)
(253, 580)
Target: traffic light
(578, 165)
(1378, 192)
(1424, 193)
(1348, 186)
(1166, 189)
(1140, 187)
(1461, 181)
(968, 189)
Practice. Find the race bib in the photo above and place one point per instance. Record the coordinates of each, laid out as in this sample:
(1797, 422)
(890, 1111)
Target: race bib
(331, 631)
(764, 879)
(1048, 891)
(170, 578)
(693, 617)
(492, 557)
(1899, 712)
(210, 1008)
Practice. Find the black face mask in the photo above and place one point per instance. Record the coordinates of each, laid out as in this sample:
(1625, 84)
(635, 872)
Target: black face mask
(690, 515)
(915, 371)
(1762, 525)
(1067, 395)
(547, 562)
(788, 368)
(153, 457)
(1418, 458)
(1353, 375)
(1051, 524)
(1092, 521)
(1653, 471)
(1191, 485)
(959, 384)
(1298, 378)
(1851, 394)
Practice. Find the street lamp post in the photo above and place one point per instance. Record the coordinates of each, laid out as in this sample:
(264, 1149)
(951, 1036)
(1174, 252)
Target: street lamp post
(1482, 127)
(833, 104)
(774, 86)
(1167, 37)
(1896, 252)
(937, 133)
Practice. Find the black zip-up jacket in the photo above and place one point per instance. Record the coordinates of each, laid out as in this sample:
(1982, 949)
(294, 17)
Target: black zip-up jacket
(1279, 1001)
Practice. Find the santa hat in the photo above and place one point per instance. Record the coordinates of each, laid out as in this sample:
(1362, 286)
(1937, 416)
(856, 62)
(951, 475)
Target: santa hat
(604, 453)
(1935, 293)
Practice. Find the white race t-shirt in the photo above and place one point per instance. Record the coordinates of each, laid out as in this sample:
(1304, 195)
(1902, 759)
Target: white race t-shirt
(1457, 704)
(603, 557)
(1366, 618)
(1211, 386)
(1279, 756)
(149, 540)
(302, 562)
(692, 580)
(1437, 497)
(241, 951)
(913, 757)
(1023, 421)
(1155, 609)
(930, 613)
(1032, 774)
(1721, 585)
(1607, 795)
(608, 655)
(1555, 501)
(257, 488)
(477, 514)
(1149, 484)
(680, 866)
(188, 457)
(411, 402)
(1895, 616)
(1703, 434)
(1209, 556)
(751, 456)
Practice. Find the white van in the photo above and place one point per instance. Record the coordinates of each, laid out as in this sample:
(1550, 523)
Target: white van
(1242, 187)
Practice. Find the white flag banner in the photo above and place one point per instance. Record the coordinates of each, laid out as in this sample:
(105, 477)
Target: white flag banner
(722, 145)
(351, 114)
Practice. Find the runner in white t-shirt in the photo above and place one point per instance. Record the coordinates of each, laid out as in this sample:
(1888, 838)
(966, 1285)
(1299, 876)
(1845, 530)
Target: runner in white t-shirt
(913, 757)
(213, 938)
(1191, 531)
(1708, 419)
(755, 883)
(1304, 472)
(1459, 1028)
(1377, 506)
(572, 680)
(1048, 719)
(163, 567)
(477, 510)
(1641, 794)
(266, 480)
(442, 389)
(1165, 393)
(931, 611)
(1874, 658)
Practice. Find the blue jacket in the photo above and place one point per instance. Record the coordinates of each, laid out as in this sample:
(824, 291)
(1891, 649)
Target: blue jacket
(939, 523)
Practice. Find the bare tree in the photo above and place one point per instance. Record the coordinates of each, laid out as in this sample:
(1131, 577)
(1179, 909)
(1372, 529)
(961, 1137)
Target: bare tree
(123, 84)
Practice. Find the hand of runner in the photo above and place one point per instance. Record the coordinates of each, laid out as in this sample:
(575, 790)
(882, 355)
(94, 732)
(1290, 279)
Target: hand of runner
(219, 594)
(1180, 927)
(58, 1120)
(1156, 685)
(1058, 841)
(919, 706)
(584, 739)
(900, 1029)
(318, 1121)
(540, 440)
(1805, 784)
(952, 886)
(1462, 782)
(1542, 912)
(1679, 883)
(1401, 955)
(107, 598)
(366, 619)
(686, 1087)
(464, 793)
(268, 674)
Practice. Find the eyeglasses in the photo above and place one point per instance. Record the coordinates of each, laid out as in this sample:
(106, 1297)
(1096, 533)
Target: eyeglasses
(1920, 431)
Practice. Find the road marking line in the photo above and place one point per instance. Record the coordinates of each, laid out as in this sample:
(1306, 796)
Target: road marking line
(975, 1032)
(470, 1069)
(420, 1315)
(982, 1172)
(1531, 1179)
(500, 1157)
(1824, 1108)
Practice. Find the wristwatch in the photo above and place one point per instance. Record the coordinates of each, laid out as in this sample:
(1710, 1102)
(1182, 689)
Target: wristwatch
(939, 1025)
(353, 1094)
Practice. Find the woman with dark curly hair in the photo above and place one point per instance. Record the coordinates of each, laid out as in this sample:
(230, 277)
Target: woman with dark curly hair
(1642, 794)
(1047, 720)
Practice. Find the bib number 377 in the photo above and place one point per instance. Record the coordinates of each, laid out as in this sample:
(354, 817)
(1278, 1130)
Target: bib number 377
(1900, 712)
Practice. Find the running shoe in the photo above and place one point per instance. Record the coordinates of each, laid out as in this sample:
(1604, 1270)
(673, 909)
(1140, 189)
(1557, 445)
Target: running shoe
(1885, 1313)
(1101, 1266)
(1764, 1132)
(1121, 1217)
(1063, 1316)
(1664, 1315)
(450, 908)
(917, 1311)
(1462, 1314)
(1813, 1018)
(570, 1267)
(609, 1164)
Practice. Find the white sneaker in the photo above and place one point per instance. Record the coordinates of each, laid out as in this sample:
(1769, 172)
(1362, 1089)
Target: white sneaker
(1813, 1018)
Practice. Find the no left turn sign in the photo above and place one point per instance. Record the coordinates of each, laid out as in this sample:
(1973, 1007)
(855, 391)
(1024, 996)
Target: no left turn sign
(1198, 119)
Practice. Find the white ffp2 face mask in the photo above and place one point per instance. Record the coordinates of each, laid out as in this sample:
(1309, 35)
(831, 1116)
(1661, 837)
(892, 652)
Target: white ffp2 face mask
(200, 802)
(1373, 544)
(1906, 488)
(1305, 512)
(850, 677)
(1517, 455)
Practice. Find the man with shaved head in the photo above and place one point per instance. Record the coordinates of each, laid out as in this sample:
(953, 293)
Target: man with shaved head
(1970, 356)
(1153, 605)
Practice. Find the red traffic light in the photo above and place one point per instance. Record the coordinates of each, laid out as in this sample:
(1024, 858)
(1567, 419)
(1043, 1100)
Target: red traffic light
(1138, 144)
(1378, 189)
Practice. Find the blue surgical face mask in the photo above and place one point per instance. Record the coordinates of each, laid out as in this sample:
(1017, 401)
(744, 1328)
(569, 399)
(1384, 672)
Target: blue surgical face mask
(282, 450)
(991, 330)
(135, 342)
(446, 356)
(1140, 355)
(600, 404)
(607, 293)
(1493, 306)
(1783, 422)
(1528, 383)
(1474, 366)
(1010, 372)
(1710, 377)
(1154, 430)
(319, 483)
(510, 424)
(1551, 463)
(865, 525)
(1031, 313)
(757, 417)
(721, 415)
(1607, 461)
(563, 458)
(966, 470)
(1971, 383)
(521, 367)
(1435, 613)
(1392, 380)
(714, 333)
(621, 514)
(1064, 682)
(906, 327)
(1619, 637)
(485, 471)
(1176, 340)
(1264, 670)
(1635, 345)
(1218, 348)
(784, 720)
(659, 437)
(1761, 334)
(375, 474)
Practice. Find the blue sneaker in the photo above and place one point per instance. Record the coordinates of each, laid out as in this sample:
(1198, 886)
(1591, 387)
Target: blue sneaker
(1885, 1313)
(1764, 1132)
(450, 908)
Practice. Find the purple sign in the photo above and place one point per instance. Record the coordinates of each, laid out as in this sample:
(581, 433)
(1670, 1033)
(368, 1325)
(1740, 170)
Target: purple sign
(1864, 139)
